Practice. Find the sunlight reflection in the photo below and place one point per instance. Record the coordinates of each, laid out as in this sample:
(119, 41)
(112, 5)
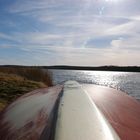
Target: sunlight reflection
(109, 132)
(104, 78)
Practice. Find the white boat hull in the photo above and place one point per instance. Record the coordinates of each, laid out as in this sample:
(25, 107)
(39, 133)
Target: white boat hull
(79, 118)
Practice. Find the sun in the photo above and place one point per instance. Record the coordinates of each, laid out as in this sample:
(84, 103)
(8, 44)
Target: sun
(112, 0)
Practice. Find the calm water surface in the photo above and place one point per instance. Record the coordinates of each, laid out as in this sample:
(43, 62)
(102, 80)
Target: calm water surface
(125, 81)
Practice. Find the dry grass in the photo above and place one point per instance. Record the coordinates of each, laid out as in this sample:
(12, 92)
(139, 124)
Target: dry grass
(15, 82)
(30, 73)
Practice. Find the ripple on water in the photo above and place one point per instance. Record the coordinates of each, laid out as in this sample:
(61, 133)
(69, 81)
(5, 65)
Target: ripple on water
(125, 81)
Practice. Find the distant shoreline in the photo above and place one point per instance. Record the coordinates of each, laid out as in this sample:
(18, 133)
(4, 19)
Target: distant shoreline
(99, 68)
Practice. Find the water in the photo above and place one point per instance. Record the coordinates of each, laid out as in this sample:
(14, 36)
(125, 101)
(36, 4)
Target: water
(125, 81)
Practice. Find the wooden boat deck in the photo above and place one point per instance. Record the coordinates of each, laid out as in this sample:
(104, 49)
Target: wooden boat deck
(121, 110)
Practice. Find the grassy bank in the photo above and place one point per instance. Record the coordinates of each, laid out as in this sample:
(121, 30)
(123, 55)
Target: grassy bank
(16, 82)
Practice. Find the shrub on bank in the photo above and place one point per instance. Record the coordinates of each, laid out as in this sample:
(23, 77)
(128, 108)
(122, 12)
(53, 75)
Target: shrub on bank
(30, 73)
(15, 82)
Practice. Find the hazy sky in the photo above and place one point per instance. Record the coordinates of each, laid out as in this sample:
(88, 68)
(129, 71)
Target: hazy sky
(71, 32)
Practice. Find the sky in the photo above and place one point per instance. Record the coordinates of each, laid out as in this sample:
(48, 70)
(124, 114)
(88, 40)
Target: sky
(70, 32)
